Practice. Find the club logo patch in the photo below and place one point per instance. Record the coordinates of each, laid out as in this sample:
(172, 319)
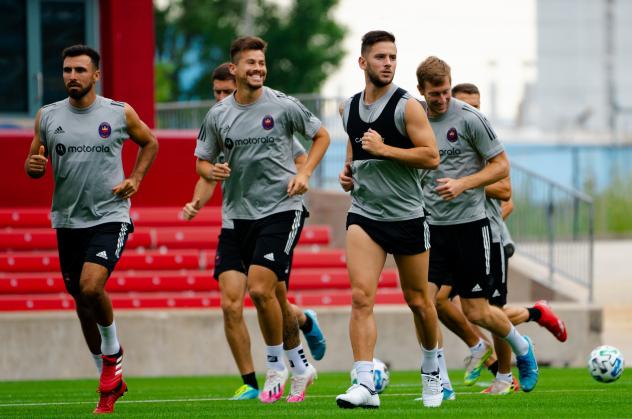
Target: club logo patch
(452, 135)
(268, 122)
(105, 130)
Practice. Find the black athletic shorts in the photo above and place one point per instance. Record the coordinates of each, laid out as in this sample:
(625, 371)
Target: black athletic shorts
(408, 237)
(227, 255)
(498, 289)
(270, 241)
(102, 244)
(461, 257)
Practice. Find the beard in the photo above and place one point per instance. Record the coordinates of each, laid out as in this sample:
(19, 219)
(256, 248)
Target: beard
(77, 94)
(376, 80)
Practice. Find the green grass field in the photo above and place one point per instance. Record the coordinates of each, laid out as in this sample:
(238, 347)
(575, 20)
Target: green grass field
(561, 393)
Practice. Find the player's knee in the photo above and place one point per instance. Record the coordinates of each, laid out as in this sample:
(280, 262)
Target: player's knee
(260, 296)
(90, 290)
(361, 300)
(232, 309)
(417, 301)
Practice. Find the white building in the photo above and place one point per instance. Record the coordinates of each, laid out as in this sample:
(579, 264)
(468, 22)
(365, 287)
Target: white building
(584, 67)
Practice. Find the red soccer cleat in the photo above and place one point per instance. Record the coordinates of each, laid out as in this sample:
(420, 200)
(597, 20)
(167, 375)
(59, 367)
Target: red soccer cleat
(549, 319)
(107, 400)
(112, 372)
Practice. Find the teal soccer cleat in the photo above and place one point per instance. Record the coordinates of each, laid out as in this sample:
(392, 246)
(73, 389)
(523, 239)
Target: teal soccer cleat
(315, 338)
(528, 368)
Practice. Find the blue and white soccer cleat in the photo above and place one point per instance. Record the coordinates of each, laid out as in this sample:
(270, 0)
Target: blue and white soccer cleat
(449, 394)
(315, 338)
(528, 368)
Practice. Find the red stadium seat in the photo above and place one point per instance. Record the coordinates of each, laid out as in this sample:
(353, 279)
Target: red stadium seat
(168, 264)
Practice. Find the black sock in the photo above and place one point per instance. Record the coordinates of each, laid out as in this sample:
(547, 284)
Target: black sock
(534, 314)
(493, 368)
(307, 327)
(251, 380)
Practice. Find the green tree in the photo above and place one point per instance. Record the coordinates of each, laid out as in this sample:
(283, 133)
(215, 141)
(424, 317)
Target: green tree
(194, 36)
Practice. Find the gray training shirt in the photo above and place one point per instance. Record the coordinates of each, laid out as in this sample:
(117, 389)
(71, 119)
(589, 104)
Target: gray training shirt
(494, 213)
(84, 146)
(257, 142)
(298, 151)
(384, 190)
(466, 141)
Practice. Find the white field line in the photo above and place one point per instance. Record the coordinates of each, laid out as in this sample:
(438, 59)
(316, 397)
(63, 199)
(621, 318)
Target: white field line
(315, 396)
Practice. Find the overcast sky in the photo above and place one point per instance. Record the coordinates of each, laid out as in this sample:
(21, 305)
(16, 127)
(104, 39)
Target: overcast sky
(470, 35)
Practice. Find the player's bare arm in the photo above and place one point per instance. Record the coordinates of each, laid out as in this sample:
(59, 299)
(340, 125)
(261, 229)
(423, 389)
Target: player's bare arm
(140, 133)
(499, 190)
(35, 164)
(506, 208)
(496, 169)
(202, 193)
(424, 154)
(345, 177)
(300, 183)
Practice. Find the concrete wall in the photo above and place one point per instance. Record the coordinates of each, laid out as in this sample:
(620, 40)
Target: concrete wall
(45, 345)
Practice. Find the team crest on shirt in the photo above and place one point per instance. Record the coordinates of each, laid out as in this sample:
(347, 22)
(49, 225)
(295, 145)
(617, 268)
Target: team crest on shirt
(452, 135)
(105, 130)
(268, 122)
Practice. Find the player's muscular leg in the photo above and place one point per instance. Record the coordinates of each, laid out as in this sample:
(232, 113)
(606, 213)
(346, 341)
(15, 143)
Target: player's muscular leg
(453, 318)
(300, 315)
(262, 284)
(413, 273)
(517, 315)
(291, 337)
(92, 291)
(88, 324)
(479, 312)
(232, 285)
(365, 261)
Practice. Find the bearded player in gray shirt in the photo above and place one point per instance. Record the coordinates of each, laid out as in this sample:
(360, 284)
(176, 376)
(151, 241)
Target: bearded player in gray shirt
(390, 140)
(471, 158)
(262, 193)
(83, 135)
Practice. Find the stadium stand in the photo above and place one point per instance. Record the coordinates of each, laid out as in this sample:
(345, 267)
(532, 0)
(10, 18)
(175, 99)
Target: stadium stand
(168, 263)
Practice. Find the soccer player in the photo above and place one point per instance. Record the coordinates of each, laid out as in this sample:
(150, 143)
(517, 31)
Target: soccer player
(83, 136)
(390, 140)
(498, 194)
(471, 158)
(230, 273)
(262, 195)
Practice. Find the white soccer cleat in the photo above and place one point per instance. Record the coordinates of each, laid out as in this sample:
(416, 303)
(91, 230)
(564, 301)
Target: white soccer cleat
(300, 382)
(358, 396)
(431, 390)
(274, 386)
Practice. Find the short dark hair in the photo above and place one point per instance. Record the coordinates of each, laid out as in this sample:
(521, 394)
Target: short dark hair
(246, 43)
(467, 88)
(433, 70)
(222, 72)
(79, 49)
(373, 37)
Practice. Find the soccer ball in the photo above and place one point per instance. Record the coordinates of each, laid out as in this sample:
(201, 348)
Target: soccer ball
(381, 376)
(605, 364)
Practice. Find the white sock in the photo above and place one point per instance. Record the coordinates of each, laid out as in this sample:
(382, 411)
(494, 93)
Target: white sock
(109, 342)
(443, 369)
(479, 347)
(364, 369)
(297, 359)
(507, 378)
(98, 361)
(275, 357)
(518, 344)
(429, 362)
